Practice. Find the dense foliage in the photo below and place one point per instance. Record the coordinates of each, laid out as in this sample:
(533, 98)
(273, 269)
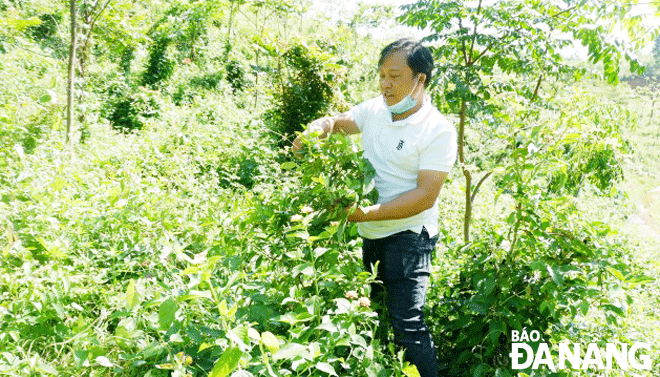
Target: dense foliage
(306, 92)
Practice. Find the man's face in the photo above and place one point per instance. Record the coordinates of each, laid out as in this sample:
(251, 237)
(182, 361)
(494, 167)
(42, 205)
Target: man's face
(396, 78)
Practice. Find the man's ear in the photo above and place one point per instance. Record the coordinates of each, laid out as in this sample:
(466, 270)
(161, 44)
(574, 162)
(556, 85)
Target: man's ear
(422, 78)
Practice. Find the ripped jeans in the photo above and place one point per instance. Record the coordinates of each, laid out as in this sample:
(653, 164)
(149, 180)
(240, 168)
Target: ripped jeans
(404, 269)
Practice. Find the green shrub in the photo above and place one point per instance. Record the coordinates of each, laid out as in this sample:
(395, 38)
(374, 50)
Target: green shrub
(46, 34)
(236, 76)
(537, 268)
(544, 284)
(305, 94)
(183, 95)
(208, 81)
(128, 112)
(160, 63)
(125, 61)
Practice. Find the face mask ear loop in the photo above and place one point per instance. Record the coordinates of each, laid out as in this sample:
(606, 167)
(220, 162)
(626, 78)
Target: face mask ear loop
(415, 86)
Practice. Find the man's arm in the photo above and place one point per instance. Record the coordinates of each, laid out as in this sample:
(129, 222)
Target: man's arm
(343, 123)
(408, 204)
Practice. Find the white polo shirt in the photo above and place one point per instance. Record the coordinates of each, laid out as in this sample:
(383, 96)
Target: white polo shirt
(398, 150)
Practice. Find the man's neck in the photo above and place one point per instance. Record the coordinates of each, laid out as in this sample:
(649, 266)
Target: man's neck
(420, 103)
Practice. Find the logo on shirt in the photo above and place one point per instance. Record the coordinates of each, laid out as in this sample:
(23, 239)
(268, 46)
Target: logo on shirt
(398, 147)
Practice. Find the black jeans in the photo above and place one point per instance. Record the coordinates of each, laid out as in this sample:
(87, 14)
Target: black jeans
(404, 269)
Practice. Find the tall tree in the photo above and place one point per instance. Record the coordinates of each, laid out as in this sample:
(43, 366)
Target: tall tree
(522, 40)
(90, 14)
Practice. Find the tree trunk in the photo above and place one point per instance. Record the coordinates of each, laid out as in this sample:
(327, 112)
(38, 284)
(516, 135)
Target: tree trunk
(653, 100)
(256, 79)
(232, 10)
(466, 172)
(72, 74)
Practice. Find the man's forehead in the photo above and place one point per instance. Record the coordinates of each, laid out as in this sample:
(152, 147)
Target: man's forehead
(395, 60)
(395, 68)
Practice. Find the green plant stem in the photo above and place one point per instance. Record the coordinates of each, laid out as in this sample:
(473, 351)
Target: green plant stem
(476, 188)
(81, 333)
(316, 285)
(515, 232)
(466, 172)
(72, 76)
(215, 296)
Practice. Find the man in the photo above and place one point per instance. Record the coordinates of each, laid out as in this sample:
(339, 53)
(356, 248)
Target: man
(412, 147)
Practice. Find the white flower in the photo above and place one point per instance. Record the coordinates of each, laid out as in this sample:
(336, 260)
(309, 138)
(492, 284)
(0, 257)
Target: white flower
(307, 209)
(351, 295)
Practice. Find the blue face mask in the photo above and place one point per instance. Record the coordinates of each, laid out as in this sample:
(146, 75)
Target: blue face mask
(406, 104)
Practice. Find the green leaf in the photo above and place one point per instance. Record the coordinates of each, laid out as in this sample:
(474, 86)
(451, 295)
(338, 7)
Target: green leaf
(501, 372)
(488, 285)
(270, 342)
(193, 295)
(80, 358)
(320, 251)
(288, 165)
(303, 234)
(411, 371)
(290, 351)
(325, 367)
(496, 328)
(555, 275)
(584, 306)
(480, 370)
(132, 296)
(478, 307)
(104, 361)
(305, 268)
(223, 309)
(166, 313)
(46, 368)
(227, 362)
(616, 273)
(166, 366)
(254, 334)
(242, 373)
(614, 308)
(240, 336)
(640, 279)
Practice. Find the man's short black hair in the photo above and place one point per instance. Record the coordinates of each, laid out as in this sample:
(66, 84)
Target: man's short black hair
(418, 57)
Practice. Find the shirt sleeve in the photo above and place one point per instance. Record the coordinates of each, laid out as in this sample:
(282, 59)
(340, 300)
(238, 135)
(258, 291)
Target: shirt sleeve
(360, 114)
(440, 153)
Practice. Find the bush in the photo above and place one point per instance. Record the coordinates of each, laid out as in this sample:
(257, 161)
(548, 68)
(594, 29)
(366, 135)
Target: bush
(45, 34)
(128, 112)
(544, 284)
(538, 268)
(207, 81)
(125, 61)
(160, 64)
(305, 94)
(236, 76)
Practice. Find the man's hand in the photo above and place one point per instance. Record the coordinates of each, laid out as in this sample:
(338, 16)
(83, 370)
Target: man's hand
(323, 126)
(343, 123)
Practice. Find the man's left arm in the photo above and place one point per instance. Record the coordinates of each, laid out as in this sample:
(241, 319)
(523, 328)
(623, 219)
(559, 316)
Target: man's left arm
(429, 183)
